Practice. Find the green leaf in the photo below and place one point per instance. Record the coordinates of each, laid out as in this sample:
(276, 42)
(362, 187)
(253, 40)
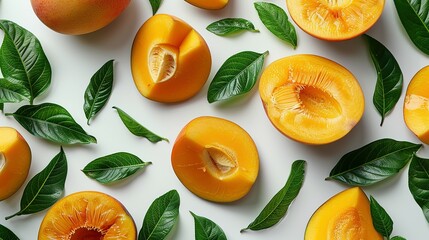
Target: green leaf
(414, 16)
(13, 93)
(52, 122)
(380, 218)
(23, 61)
(237, 76)
(137, 129)
(276, 20)
(373, 162)
(7, 234)
(389, 77)
(277, 207)
(45, 188)
(114, 167)
(155, 4)
(2, 107)
(418, 183)
(99, 90)
(161, 217)
(229, 26)
(398, 238)
(206, 229)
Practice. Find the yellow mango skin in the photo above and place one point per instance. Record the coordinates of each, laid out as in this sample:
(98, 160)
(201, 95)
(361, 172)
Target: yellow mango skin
(416, 105)
(16, 157)
(345, 216)
(76, 17)
(193, 60)
(311, 99)
(189, 166)
(209, 4)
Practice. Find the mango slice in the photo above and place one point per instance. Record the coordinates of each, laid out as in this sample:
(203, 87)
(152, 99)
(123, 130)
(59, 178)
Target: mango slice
(311, 99)
(15, 161)
(215, 159)
(416, 105)
(170, 61)
(335, 20)
(88, 215)
(345, 216)
(209, 4)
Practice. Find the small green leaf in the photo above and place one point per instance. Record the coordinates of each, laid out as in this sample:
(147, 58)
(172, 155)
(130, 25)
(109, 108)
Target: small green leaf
(155, 4)
(277, 207)
(45, 188)
(206, 229)
(52, 122)
(114, 167)
(137, 129)
(7, 234)
(414, 16)
(389, 77)
(161, 217)
(398, 238)
(23, 61)
(373, 162)
(380, 218)
(99, 90)
(237, 76)
(276, 20)
(229, 26)
(418, 183)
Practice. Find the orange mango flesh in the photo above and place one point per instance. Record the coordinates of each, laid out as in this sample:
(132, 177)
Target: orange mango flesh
(209, 4)
(335, 20)
(345, 216)
(87, 215)
(311, 99)
(170, 61)
(215, 159)
(416, 105)
(15, 161)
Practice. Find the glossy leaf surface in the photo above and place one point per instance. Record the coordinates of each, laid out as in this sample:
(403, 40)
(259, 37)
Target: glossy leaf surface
(206, 229)
(7, 234)
(380, 218)
(228, 26)
(418, 183)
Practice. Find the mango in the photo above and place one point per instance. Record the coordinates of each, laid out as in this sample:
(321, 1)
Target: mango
(209, 5)
(76, 17)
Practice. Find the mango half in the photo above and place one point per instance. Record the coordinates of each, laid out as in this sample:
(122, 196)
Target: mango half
(170, 61)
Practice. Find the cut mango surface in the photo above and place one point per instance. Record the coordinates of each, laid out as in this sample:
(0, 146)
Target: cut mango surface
(209, 4)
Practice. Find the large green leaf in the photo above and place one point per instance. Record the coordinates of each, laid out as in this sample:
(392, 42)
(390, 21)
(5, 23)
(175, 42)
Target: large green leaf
(7, 234)
(229, 26)
(99, 90)
(45, 188)
(237, 76)
(52, 122)
(414, 16)
(161, 217)
(418, 183)
(114, 167)
(277, 207)
(380, 218)
(388, 88)
(23, 61)
(373, 162)
(206, 229)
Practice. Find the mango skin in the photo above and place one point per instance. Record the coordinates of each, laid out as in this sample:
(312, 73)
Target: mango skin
(209, 4)
(16, 161)
(76, 17)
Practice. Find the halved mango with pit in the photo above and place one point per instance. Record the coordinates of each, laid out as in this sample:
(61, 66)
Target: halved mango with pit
(311, 99)
(335, 20)
(416, 105)
(170, 61)
(345, 216)
(215, 159)
(209, 4)
(15, 161)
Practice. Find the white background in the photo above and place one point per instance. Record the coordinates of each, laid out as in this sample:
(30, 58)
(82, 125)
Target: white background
(75, 59)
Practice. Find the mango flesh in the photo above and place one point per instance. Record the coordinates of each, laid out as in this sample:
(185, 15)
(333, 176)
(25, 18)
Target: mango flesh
(335, 20)
(311, 99)
(215, 159)
(15, 161)
(209, 5)
(416, 105)
(76, 17)
(170, 61)
(345, 216)
(87, 215)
